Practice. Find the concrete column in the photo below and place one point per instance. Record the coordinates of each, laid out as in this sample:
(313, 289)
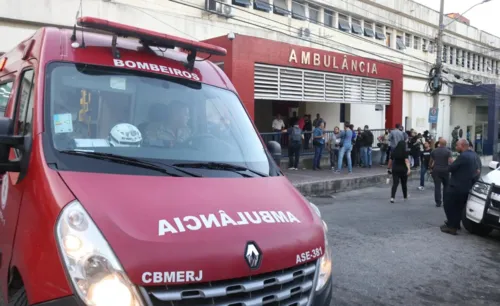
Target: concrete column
(336, 20)
(306, 10)
(321, 17)
(271, 3)
(289, 7)
(466, 58)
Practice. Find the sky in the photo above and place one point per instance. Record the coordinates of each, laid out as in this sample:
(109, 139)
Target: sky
(483, 17)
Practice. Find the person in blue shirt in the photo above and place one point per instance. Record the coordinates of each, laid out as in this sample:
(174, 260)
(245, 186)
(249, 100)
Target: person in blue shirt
(318, 143)
(346, 148)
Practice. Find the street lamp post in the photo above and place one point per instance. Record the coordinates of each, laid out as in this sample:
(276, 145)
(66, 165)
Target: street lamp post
(439, 57)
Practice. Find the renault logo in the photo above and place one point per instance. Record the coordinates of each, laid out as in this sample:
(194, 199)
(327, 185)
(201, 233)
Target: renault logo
(253, 255)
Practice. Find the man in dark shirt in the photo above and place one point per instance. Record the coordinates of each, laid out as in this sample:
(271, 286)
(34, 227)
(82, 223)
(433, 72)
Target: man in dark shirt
(366, 147)
(440, 160)
(463, 170)
(479, 164)
(425, 157)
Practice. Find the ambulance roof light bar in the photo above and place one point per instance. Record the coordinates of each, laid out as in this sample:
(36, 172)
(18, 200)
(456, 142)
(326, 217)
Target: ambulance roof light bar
(150, 38)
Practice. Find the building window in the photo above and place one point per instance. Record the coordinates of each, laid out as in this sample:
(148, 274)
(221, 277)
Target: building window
(452, 51)
(356, 27)
(245, 3)
(431, 46)
(468, 60)
(328, 18)
(424, 45)
(280, 7)
(416, 42)
(445, 54)
(368, 30)
(262, 5)
(344, 23)
(379, 32)
(407, 40)
(457, 62)
(399, 42)
(313, 13)
(462, 60)
(484, 64)
(298, 10)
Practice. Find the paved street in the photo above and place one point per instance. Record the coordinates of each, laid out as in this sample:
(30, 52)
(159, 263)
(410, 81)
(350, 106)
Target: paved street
(394, 254)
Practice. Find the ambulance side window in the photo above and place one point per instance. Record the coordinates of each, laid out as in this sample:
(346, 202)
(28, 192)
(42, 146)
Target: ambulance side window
(5, 90)
(25, 101)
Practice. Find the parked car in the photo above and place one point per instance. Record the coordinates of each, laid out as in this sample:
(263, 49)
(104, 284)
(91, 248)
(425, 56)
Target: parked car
(482, 213)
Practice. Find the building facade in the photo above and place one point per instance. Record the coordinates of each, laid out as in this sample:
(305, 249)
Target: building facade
(390, 33)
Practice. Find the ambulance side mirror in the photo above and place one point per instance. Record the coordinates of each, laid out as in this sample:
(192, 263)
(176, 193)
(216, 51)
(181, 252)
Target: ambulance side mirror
(275, 149)
(8, 141)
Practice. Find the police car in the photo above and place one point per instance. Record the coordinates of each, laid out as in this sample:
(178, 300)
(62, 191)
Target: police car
(482, 213)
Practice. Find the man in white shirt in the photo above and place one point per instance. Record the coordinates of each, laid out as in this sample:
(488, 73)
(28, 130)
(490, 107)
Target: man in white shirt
(278, 126)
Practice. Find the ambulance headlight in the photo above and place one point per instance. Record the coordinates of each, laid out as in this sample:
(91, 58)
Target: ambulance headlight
(325, 262)
(95, 272)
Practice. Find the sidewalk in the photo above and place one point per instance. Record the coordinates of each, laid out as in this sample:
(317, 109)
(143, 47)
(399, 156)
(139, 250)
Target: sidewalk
(325, 182)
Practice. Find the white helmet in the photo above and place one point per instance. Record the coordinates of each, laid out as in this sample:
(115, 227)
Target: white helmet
(125, 135)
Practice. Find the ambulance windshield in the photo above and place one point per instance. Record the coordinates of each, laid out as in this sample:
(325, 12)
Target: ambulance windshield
(152, 117)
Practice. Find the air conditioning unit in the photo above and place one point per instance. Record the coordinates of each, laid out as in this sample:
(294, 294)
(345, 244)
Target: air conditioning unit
(220, 7)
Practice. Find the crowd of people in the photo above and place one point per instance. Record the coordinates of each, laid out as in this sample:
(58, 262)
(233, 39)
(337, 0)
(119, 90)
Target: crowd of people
(347, 147)
(453, 179)
(401, 151)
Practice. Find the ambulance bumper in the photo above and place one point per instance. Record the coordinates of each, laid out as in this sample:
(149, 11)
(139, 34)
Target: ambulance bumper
(320, 298)
(65, 301)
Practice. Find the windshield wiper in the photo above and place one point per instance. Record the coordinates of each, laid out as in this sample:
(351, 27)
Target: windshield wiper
(131, 161)
(223, 167)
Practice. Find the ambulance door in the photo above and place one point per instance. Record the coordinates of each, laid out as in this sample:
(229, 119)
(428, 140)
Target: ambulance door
(13, 184)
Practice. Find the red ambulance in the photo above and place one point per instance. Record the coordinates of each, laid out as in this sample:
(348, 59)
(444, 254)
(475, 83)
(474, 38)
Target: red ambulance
(132, 175)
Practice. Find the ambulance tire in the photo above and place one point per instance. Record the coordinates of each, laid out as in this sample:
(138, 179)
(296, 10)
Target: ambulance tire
(19, 298)
(475, 228)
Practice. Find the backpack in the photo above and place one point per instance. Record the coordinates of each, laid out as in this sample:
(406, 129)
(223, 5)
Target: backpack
(296, 134)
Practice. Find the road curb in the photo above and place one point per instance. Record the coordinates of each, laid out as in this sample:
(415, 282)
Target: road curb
(334, 185)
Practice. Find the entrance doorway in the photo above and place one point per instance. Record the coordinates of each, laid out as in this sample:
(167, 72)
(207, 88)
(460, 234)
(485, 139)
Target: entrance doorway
(481, 135)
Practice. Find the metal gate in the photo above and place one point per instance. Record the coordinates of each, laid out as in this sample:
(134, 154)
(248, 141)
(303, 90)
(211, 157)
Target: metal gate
(292, 84)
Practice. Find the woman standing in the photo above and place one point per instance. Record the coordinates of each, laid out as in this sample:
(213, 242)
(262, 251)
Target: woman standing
(384, 148)
(399, 167)
(319, 144)
(334, 146)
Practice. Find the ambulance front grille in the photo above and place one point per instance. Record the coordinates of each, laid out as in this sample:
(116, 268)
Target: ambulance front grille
(289, 287)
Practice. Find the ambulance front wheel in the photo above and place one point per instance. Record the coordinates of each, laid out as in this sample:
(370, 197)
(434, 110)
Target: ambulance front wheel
(19, 298)
(475, 228)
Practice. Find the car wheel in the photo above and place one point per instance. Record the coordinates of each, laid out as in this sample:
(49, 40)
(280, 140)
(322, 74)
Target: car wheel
(19, 298)
(475, 228)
